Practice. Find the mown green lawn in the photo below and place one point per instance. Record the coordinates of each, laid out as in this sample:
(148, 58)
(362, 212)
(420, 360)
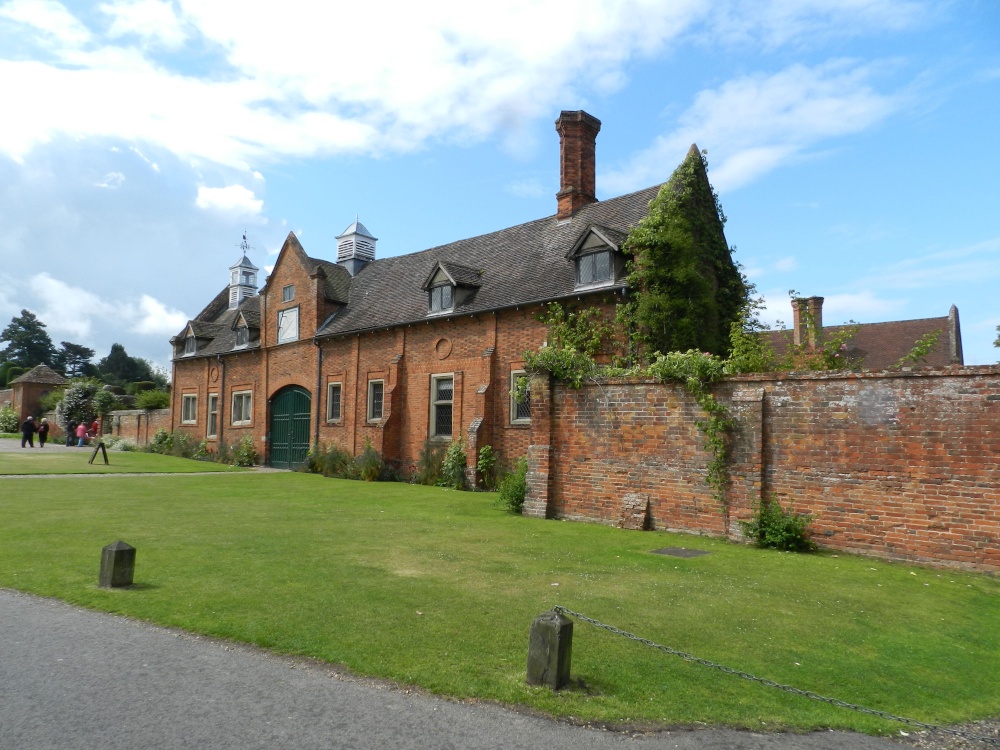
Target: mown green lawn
(38, 461)
(437, 588)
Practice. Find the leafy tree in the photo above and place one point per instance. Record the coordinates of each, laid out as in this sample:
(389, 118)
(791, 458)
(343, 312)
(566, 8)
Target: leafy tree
(689, 291)
(119, 367)
(27, 342)
(73, 360)
(78, 401)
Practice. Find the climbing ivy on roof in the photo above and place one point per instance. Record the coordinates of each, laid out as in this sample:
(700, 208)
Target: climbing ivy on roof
(687, 290)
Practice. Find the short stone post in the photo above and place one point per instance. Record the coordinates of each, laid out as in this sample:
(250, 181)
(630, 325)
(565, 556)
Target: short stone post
(117, 565)
(550, 646)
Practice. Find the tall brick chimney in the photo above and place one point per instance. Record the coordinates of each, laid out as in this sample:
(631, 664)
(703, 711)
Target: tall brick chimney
(807, 321)
(577, 144)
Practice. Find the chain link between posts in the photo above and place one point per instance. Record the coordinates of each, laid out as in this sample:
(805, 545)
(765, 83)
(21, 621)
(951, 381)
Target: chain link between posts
(771, 683)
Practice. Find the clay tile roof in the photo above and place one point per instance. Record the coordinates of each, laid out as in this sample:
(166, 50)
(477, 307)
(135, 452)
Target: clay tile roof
(41, 374)
(879, 346)
(520, 265)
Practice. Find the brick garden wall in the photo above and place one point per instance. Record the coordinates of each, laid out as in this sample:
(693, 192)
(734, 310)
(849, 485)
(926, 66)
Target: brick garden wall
(138, 425)
(901, 465)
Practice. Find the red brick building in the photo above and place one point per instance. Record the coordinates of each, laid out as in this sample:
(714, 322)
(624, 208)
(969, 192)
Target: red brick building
(399, 351)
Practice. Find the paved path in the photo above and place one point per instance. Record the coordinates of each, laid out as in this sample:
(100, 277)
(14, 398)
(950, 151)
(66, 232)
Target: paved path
(71, 678)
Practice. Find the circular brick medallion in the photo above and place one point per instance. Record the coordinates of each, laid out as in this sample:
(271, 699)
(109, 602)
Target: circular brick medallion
(442, 348)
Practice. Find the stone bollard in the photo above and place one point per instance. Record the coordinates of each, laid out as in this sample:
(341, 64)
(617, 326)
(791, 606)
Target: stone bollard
(117, 565)
(550, 647)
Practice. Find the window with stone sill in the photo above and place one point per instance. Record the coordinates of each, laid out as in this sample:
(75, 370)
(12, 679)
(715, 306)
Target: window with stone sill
(442, 405)
(520, 411)
(213, 415)
(189, 409)
(242, 405)
(334, 393)
(376, 397)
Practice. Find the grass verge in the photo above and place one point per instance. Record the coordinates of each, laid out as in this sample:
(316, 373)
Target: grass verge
(38, 461)
(436, 588)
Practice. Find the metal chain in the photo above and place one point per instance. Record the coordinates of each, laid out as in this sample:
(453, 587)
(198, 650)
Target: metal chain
(771, 683)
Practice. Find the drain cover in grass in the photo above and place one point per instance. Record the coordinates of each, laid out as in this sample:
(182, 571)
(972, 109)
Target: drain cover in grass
(680, 552)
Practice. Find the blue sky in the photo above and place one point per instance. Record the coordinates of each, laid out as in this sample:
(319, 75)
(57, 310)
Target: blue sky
(853, 142)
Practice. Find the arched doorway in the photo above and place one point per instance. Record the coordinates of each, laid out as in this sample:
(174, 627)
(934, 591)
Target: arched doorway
(290, 412)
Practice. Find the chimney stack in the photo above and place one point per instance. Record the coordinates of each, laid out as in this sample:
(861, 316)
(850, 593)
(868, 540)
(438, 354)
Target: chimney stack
(577, 173)
(807, 321)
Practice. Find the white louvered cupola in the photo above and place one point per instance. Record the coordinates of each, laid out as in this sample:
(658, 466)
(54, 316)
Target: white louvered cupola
(242, 279)
(355, 247)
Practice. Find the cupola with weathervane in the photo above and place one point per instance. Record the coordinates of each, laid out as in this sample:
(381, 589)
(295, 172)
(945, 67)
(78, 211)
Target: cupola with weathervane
(355, 248)
(242, 278)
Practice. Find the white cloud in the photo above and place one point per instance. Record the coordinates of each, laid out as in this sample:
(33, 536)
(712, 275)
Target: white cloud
(863, 306)
(65, 309)
(154, 21)
(788, 263)
(154, 318)
(48, 19)
(112, 181)
(234, 200)
(754, 123)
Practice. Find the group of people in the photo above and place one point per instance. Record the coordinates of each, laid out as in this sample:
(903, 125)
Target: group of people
(29, 429)
(76, 433)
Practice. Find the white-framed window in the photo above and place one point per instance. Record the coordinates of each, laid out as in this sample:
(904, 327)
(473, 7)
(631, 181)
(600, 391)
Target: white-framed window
(242, 337)
(594, 268)
(242, 405)
(190, 345)
(442, 404)
(520, 411)
(189, 408)
(376, 399)
(288, 293)
(213, 415)
(288, 325)
(442, 298)
(334, 394)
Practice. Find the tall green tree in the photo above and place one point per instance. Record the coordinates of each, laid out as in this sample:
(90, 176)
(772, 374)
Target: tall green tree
(28, 344)
(688, 289)
(120, 368)
(73, 360)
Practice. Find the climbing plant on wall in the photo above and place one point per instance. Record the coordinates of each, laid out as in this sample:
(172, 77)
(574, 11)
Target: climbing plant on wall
(687, 290)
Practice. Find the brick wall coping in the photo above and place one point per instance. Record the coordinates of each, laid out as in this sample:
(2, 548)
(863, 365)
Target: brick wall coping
(950, 371)
(137, 412)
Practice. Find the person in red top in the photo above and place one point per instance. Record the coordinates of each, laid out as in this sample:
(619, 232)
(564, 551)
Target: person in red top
(81, 434)
(95, 429)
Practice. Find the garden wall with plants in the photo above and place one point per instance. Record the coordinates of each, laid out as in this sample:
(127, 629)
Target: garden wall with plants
(902, 464)
(137, 425)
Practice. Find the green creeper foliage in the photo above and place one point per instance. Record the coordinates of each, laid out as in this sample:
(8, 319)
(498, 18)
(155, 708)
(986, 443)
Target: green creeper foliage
(689, 290)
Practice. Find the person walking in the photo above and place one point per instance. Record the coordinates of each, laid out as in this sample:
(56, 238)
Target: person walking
(28, 430)
(81, 434)
(70, 433)
(43, 432)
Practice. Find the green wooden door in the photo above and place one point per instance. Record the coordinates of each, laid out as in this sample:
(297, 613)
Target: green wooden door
(290, 412)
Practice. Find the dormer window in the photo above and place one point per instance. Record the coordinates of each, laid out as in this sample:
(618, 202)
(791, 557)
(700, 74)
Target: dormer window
(442, 298)
(242, 337)
(596, 256)
(190, 345)
(594, 268)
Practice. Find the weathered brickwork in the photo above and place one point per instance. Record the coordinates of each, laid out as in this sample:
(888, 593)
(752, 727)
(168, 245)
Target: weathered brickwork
(137, 425)
(902, 465)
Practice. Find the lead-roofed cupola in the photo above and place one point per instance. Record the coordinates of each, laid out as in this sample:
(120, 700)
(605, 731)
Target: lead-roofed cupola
(355, 247)
(242, 278)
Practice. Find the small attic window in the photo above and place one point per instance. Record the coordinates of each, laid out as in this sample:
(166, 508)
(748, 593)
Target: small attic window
(594, 268)
(242, 337)
(442, 298)
(190, 345)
